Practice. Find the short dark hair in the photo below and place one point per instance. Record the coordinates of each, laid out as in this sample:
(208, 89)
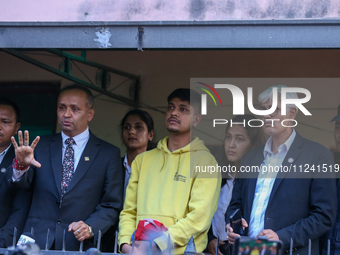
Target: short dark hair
(76, 86)
(144, 116)
(189, 95)
(7, 101)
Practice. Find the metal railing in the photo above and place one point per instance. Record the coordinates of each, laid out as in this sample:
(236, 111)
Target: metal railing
(46, 251)
(190, 249)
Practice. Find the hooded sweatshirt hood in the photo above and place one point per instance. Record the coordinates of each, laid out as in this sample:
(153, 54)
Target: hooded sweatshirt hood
(193, 146)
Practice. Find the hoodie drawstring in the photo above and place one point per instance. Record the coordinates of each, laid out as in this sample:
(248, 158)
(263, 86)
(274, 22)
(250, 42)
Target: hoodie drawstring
(178, 165)
(163, 161)
(179, 161)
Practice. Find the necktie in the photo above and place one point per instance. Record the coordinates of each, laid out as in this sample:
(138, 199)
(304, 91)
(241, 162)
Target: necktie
(68, 165)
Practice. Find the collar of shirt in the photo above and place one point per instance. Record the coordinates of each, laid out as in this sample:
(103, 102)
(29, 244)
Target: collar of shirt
(2, 154)
(79, 139)
(5, 151)
(126, 165)
(285, 146)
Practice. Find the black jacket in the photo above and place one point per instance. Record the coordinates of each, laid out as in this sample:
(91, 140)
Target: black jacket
(14, 205)
(299, 208)
(334, 234)
(94, 195)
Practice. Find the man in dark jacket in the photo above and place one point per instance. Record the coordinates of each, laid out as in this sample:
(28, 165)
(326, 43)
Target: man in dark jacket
(14, 205)
(76, 177)
(282, 204)
(334, 234)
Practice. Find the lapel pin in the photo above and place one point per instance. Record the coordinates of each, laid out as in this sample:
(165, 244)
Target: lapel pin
(87, 158)
(290, 160)
(3, 170)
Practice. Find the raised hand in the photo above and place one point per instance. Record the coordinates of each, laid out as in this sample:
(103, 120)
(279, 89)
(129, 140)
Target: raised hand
(24, 153)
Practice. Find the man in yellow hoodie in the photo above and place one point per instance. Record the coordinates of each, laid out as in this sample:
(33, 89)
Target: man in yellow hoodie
(164, 185)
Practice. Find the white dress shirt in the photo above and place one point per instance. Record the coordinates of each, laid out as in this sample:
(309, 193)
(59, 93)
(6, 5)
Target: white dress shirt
(2, 154)
(218, 221)
(265, 182)
(127, 173)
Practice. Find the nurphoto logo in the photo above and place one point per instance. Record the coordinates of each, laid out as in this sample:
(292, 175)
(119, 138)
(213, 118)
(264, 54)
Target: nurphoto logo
(238, 103)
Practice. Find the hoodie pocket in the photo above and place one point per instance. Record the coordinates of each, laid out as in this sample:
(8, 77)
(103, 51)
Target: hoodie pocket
(167, 220)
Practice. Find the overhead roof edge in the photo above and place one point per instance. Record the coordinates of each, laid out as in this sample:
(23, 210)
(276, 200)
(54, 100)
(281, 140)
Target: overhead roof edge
(226, 34)
(321, 21)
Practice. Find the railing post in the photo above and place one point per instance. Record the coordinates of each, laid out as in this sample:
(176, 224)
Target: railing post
(116, 243)
(81, 246)
(218, 241)
(328, 247)
(133, 243)
(169, 244)
(99, 239)
(47, 239)
(14, 236)
(64, 241)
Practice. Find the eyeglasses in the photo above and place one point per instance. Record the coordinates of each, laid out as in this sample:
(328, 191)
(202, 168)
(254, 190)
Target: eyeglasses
(276, 112)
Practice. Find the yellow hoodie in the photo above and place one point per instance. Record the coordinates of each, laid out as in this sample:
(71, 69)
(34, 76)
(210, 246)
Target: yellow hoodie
(164, 186)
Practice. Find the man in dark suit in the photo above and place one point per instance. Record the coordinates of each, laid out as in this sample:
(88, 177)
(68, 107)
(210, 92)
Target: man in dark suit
(76, 177)
(285, 204)
(334, 234)
(13, 205)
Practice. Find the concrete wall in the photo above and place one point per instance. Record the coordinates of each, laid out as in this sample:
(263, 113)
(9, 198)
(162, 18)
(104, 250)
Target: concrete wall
(143, 10)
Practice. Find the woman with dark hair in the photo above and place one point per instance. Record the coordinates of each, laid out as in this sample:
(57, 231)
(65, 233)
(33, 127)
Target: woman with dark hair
(239, 139)
(137, 131)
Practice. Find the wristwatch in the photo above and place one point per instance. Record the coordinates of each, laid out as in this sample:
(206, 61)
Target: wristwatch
(91, 230)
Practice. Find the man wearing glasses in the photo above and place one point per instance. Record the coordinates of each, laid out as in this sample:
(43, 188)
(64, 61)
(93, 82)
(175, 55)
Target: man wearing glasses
(284, 205)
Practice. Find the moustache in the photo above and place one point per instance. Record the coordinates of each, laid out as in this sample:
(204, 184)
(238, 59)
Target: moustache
(173, 118)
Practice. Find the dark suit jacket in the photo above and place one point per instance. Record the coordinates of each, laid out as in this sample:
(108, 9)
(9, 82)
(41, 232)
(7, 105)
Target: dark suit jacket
(298, 208)
(334, 233)
(94, 195)
(109, 238)
(14, 205)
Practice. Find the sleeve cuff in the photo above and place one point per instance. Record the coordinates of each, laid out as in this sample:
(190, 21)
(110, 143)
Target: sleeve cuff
(122, 241)
(17, 174)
